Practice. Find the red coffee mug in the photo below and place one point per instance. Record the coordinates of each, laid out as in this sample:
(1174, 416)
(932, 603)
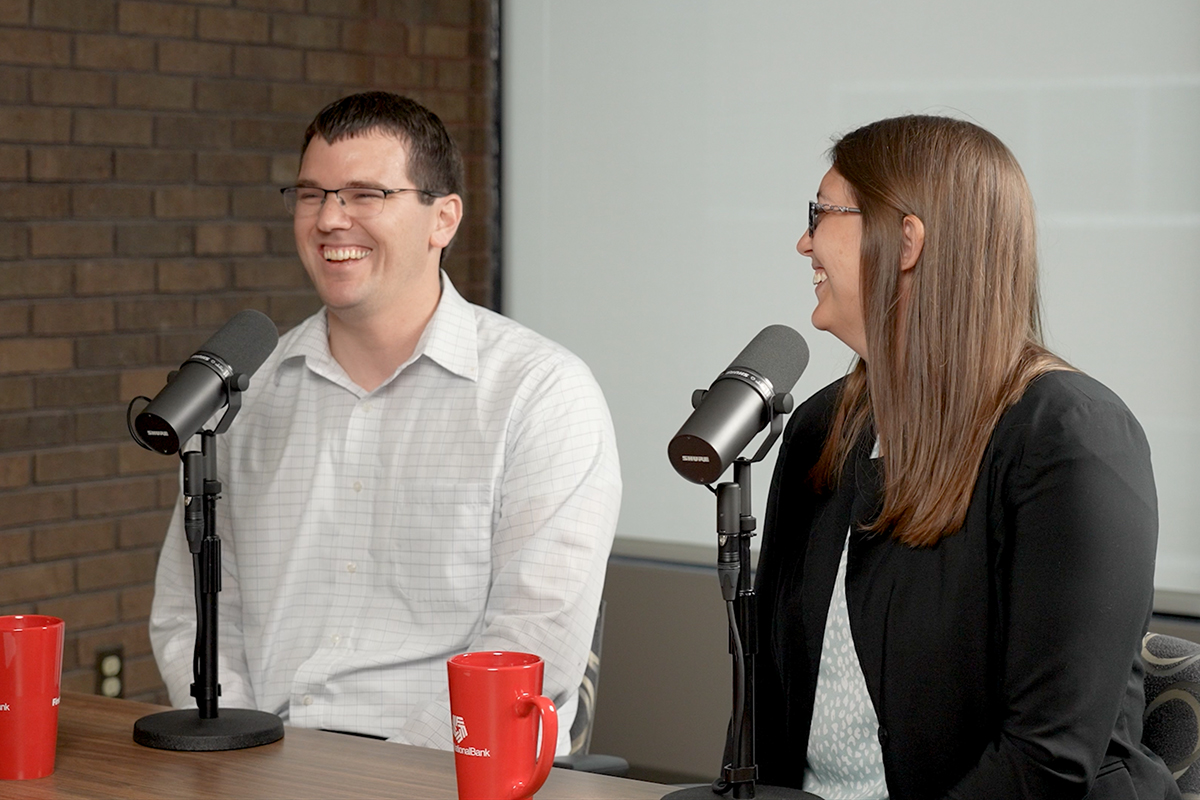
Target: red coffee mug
(31, 651)
(492, 700)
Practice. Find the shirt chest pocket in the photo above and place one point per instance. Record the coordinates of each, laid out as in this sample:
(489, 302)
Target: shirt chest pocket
(437, 552)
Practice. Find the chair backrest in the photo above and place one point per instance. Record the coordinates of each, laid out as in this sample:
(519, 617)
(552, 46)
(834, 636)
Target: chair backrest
(1172, 721)
(585, 714)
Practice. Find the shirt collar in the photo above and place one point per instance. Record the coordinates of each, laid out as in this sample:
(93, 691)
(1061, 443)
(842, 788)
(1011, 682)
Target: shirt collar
(450, 339)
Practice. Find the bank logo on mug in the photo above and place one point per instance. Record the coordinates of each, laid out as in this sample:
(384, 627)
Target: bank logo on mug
(460, 729)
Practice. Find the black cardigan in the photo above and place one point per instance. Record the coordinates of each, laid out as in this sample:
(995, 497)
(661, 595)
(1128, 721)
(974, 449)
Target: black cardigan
(1003, 662)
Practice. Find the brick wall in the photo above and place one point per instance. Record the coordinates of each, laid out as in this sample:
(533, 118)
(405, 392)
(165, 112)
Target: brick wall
(142, 145)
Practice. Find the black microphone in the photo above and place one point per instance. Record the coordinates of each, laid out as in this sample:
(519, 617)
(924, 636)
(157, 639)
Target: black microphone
(739, 404)
(201, 386)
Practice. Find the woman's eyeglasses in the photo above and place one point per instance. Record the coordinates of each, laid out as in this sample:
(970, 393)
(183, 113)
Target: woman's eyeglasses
(815, 210)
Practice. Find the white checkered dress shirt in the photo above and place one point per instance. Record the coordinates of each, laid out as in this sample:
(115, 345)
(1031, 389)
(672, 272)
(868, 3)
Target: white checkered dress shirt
(468, 503)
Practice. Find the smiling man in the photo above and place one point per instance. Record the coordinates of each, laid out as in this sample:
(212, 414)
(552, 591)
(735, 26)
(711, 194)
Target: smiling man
(411, 476)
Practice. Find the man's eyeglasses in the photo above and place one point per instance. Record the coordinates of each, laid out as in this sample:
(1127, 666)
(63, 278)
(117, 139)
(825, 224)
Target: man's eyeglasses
(356, 202)
(815, 210)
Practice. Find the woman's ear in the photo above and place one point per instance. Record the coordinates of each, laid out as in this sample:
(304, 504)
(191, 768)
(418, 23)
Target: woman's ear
(914, 241)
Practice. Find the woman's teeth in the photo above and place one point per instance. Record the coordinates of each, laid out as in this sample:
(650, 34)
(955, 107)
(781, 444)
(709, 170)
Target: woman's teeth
(345, 253)
(819, 277)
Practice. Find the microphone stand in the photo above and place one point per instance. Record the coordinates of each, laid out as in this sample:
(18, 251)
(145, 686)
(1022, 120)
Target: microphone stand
(735, 529)
(209, 729)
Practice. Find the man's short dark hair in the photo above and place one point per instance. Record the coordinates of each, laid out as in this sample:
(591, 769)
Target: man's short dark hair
(434, 162)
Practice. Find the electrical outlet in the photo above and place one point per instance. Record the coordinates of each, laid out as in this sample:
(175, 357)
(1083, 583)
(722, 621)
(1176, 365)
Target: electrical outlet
(110, 672)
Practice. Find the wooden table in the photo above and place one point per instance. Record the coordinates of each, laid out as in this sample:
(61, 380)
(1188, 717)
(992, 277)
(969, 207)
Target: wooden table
(97, 759)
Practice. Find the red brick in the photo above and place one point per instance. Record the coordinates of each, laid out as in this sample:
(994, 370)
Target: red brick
(101, 425)
(14, 12)
(282, 240)
(134, 637)
(77, 389)
(74, 539)
(155, 91)
(72, 465)
(25, 124)
(26, 201)
(269, 273)
(142, 382)
(289, 309)
(122, 568)
(195, 58)
(268, 63)
(284, 169)
(191, 202)
(302, 100)
(135, 601)
(34, 47)
(65, 87)
(154, 166)
(110, 201)
(232, 168)
(449, 106)
(192, 276)
(259, 203)
(14, 471)
(86, 316)
(230, 239)
(215, 311)
(118, 53)
(445, 12)
(14, 83)
(13, 163)
(30, 430)
(338, 68)
(439, 42)
(155, 239)
(227, 25)
(155, 313)
(14, 243)
(340, 8)
(145, 530)
(243, 97)
(37, 581)
(404, 74)
(141, 677)
(375, 36)
(14, 319)
(273, 5)
(113, 127)
(34, 355)
(114, 277)
(132, 459)
(15, 549)
(69, 239)
(75, 15)
(116, 350)
(168, 491)
(156, 19)
(82, 612)
(70, 163)
(176, 346)
(313, 33)
(115, 497)
(192, 132)
(454, 75)
(16, 394)
(268, 134)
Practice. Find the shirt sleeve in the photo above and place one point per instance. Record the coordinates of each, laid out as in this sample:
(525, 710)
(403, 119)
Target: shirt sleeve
(1077, 579)
(557, 514)
(173, 620)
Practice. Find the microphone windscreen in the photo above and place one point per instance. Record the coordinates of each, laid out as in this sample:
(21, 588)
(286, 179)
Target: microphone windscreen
(244, 342)
(778, 353)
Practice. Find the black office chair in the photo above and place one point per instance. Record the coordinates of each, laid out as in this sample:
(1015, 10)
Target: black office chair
(1172, 721)
(585, 718)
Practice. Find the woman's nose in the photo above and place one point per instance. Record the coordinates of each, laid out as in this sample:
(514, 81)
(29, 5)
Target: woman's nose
(804, 246)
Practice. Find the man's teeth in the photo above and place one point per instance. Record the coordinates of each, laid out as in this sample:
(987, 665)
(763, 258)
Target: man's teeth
(345, 253)
(819, 277)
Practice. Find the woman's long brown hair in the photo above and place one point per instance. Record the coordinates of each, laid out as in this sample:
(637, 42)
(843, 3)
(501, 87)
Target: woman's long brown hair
(956, 347)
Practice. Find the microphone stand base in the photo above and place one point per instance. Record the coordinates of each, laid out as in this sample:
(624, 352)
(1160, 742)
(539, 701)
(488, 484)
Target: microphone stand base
(761, 792)
(183, 730)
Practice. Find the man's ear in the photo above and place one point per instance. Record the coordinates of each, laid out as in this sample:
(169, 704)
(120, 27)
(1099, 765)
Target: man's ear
(913, 231)
(448, 214)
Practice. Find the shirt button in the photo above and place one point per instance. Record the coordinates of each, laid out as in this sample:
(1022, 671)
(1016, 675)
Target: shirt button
(308, 699)
(335, 638)
(351, 567)
(358, 486)
(883, 736)
(366, 406)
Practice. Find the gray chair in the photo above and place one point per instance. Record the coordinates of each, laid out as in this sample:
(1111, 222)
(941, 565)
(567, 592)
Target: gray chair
(1172, 720)
(585, 717)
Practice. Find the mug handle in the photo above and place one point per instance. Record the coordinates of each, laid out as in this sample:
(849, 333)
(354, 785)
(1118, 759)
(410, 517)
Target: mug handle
(541, 769)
